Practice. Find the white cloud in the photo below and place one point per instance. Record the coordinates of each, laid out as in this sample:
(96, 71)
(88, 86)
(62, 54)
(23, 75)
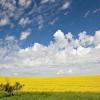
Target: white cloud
(91, 12)
(8, 9)
(54, 21)
(24, 21)
(24, 3)
(4, 21)
(69, 36)
(40, 21)
(85, 40)
(96, 11)
(66, 5)
(87, 13)
(83, 51)
(63, 56)
(24, 35)
(16, 10)
(59, 35)
(46, 1)
(9, 38)
(97, 37)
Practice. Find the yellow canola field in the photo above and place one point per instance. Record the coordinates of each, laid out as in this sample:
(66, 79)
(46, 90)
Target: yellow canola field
(57, 83)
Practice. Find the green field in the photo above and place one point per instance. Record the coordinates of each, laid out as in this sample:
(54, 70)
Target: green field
(52, 96)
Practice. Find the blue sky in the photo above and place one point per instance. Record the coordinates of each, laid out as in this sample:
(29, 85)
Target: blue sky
(49, 37)
(47, 17)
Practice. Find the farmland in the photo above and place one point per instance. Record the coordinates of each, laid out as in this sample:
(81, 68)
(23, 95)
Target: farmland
(56, 84)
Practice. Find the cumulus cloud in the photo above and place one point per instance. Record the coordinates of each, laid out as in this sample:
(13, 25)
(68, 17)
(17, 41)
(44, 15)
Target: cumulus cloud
(64, 55)
(97, 37)
(86, 40)
(24, 35)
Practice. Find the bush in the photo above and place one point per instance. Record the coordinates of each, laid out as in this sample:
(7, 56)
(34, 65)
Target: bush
(9, 89)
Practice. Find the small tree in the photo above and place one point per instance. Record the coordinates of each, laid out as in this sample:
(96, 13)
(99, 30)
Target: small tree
(10, 88)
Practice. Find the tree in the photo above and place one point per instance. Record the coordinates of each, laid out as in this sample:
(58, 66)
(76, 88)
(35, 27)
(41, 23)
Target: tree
(10, 88)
